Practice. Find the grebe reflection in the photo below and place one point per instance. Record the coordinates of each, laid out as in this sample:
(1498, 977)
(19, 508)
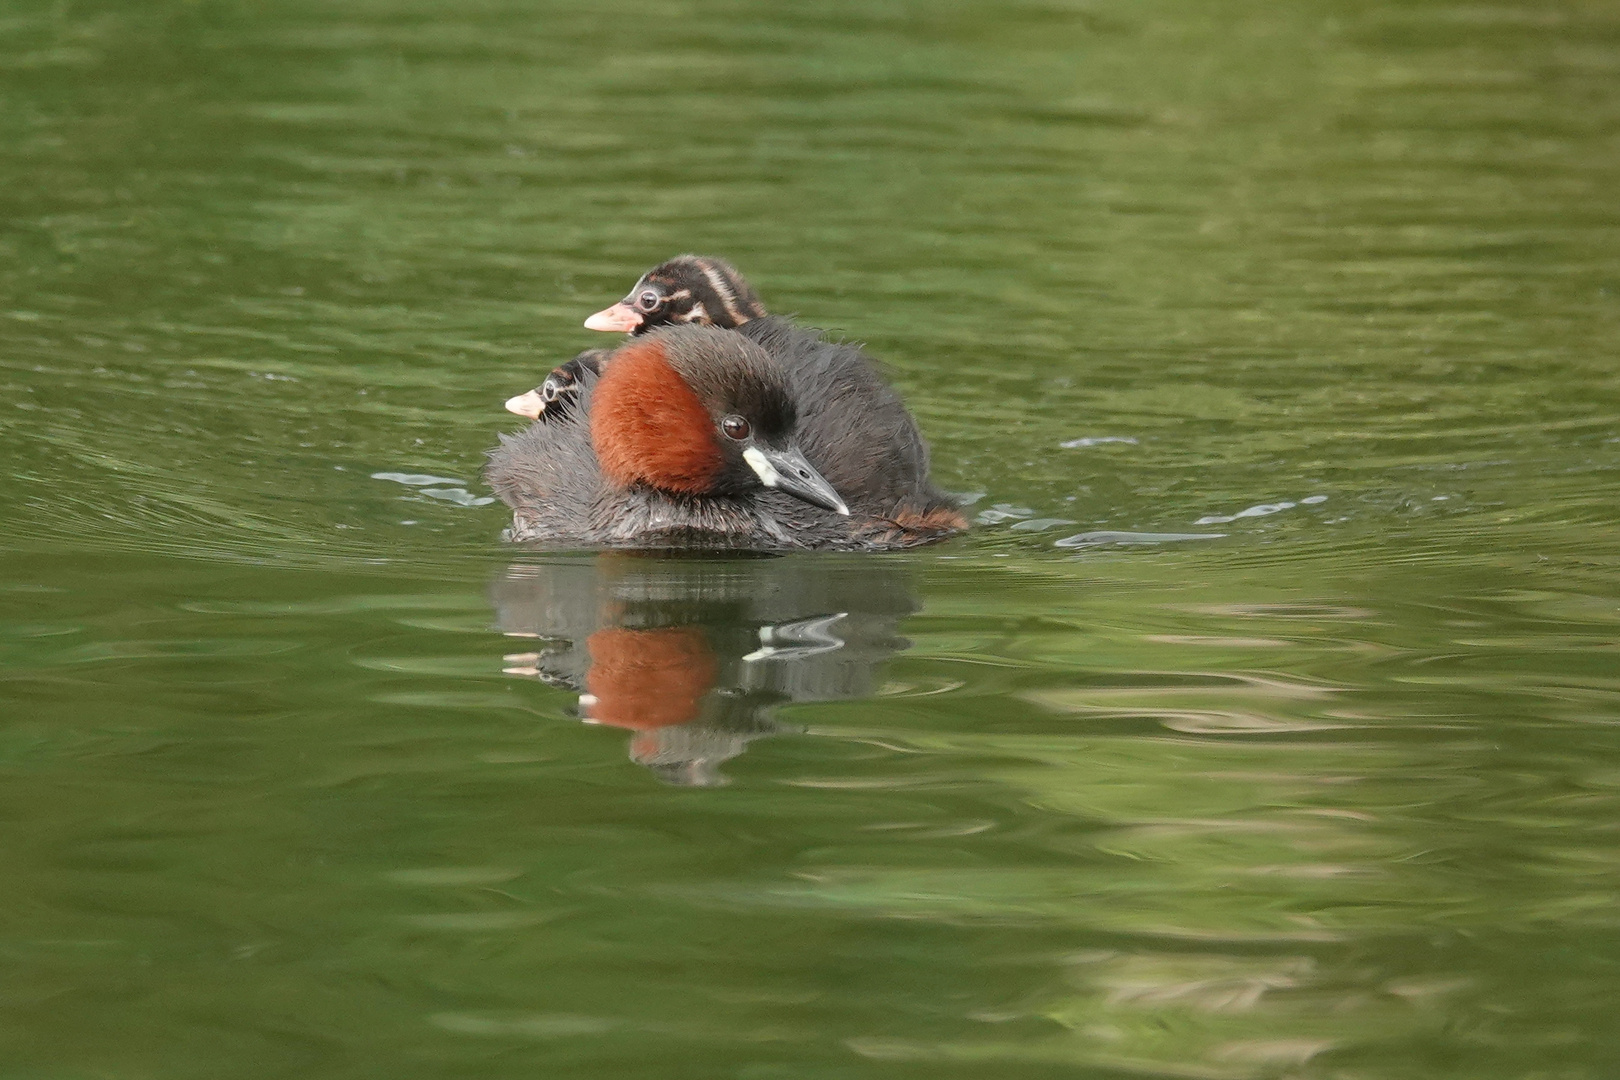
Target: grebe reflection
(692, 653)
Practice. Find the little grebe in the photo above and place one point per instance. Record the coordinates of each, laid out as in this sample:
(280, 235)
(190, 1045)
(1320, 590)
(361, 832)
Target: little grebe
(766, 438)
(697, 290)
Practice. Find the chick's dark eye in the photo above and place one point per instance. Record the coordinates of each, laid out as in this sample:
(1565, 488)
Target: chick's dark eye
(648, 300)
(735, 427)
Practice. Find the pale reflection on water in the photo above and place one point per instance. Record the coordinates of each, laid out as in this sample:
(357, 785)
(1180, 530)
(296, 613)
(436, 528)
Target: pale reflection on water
(693, 654)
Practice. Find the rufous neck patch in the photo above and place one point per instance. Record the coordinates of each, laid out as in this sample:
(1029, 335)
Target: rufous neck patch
(648, 426)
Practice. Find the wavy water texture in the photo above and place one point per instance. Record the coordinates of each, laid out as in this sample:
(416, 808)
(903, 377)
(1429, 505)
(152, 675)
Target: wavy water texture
(1265, 725)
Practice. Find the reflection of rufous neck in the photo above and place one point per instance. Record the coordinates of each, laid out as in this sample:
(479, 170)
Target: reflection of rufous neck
(646, 679)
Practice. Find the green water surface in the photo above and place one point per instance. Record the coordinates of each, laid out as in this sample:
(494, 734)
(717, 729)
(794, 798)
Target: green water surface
(1267, 725)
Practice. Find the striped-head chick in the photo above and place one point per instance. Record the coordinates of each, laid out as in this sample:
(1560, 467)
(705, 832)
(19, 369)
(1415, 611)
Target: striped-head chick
(686, 289)
(556, 395)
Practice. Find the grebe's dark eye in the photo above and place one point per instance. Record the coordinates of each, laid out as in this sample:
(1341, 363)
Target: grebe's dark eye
(735, 427)
(649, 300)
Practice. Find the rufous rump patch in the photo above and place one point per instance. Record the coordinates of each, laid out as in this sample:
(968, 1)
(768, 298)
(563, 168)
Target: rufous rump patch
(646, 679)
(937, 519)
(648, 426)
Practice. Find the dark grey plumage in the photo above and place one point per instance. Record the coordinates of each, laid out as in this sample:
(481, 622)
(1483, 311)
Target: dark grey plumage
(852, 427)
(547, 473)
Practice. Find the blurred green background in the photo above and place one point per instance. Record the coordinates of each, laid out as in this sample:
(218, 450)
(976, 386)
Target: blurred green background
(1329, 794)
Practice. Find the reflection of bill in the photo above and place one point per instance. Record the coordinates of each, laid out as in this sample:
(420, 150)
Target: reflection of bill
(691, 654)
